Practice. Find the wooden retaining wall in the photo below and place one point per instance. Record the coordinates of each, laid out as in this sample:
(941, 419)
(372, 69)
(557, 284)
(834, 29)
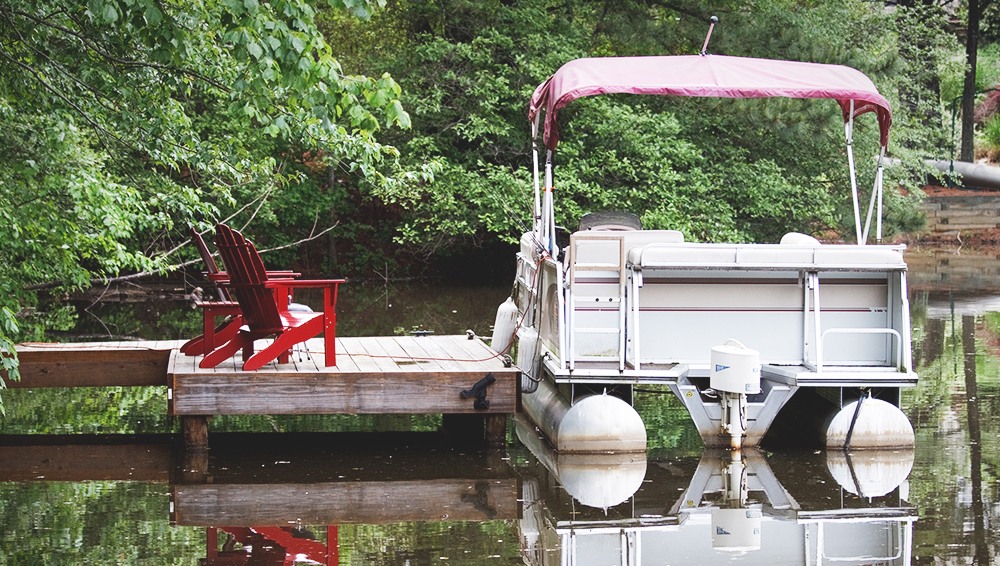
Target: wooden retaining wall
(962, 213)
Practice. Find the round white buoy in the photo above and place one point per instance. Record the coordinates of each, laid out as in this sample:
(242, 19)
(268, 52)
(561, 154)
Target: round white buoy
(601, 480)
(601, 423)
(870, 473)
(503, 326)
(878, 425)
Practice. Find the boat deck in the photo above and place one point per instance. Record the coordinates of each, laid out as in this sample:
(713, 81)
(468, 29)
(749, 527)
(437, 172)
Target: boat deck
(792, 375)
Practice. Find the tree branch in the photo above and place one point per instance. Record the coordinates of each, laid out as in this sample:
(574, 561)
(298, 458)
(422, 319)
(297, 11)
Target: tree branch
(144, 274)
(93, 46)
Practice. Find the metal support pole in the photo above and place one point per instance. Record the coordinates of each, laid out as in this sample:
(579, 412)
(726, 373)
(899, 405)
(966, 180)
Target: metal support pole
(849, 134)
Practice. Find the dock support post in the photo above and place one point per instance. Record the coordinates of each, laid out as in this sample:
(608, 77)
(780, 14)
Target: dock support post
(480, 429)
(496, 430)
(195, 429)
(195, 468)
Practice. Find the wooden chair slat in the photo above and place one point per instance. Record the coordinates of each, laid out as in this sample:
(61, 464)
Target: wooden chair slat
(265, 307)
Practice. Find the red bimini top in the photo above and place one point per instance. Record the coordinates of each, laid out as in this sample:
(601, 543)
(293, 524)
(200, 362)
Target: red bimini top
(707, 76)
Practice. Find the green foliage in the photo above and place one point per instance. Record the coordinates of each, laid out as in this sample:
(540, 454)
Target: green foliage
(97, 522)
(124, 121)
(987, 73)
(717, 170)
(991, 133)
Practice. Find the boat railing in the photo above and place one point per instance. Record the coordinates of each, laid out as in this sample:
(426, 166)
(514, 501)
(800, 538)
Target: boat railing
(634, 301)
(818, 364)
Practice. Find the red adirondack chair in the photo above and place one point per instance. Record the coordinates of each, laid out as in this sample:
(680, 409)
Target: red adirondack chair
(212, 335)
(264, 303)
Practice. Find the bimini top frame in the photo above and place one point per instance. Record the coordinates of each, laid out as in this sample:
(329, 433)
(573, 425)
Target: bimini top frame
(704, 76)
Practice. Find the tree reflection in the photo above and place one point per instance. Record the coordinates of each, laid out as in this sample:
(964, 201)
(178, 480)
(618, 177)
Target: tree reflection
(982, 554)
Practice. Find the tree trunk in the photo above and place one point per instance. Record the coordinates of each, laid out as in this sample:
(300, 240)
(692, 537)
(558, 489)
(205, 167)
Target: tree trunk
(969, 88)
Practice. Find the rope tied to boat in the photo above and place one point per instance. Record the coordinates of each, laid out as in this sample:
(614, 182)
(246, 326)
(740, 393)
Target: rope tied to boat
(854, 420)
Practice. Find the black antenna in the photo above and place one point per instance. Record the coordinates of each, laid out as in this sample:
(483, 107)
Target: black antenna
(711, 26)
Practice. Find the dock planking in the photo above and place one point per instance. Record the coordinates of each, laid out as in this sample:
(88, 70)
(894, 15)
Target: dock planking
(94, 364)
(373, 375)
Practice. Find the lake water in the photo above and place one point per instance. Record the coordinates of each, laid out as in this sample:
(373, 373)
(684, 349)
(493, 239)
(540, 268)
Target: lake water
(329, 490)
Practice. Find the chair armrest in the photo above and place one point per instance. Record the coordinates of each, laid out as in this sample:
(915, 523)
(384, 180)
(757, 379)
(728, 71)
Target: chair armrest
(223, 277)
(210, 304)
(218, 308)
(303, 283)
(330, 288)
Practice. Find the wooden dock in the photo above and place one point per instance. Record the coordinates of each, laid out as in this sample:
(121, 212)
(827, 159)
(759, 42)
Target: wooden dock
(450, 375)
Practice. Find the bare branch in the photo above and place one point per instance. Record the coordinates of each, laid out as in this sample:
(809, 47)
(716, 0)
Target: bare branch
(144, 274)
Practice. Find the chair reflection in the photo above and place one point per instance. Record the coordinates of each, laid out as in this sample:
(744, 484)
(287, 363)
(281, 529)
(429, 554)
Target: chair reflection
(269, 546)
(723, 506)
(267, 504)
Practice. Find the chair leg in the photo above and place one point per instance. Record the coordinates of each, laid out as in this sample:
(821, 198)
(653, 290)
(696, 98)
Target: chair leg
(282, 344)
(227, 350)
(330, 339)
(223, 333)
(194, 346)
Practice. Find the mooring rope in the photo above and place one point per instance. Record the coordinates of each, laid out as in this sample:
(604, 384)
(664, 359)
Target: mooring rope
(854, 420)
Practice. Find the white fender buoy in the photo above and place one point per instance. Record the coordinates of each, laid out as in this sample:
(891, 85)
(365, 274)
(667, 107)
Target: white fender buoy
(601, 481)
(877, 424)
(503, 326)
(527, 359)
(870, 473)
(601, 423)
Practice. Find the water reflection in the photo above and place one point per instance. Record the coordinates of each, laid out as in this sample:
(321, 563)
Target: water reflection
(721, 506)
(393, 499)
(290, 498)
(333, 479)
(982, 553)
(268, 500)
(946, 282)
(265, 546)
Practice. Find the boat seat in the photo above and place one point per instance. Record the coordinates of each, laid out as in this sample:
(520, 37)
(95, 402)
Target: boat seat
(890, 257)
(603, 247)
(766, 256)
(798, 239)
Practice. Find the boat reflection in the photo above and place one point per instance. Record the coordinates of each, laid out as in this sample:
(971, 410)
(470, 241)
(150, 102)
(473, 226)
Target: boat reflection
(724, 505)
(283, 499)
